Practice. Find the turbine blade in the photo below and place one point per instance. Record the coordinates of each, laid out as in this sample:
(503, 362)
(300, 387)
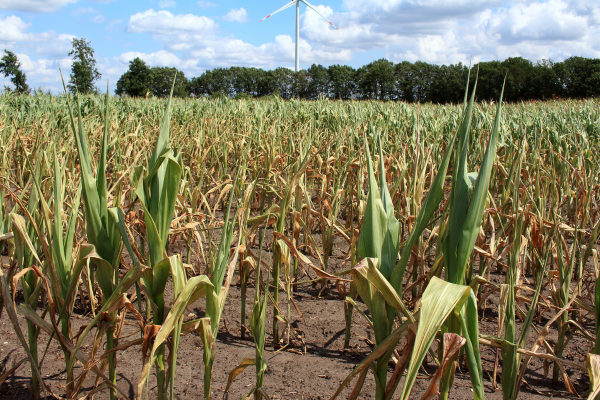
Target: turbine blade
(281, 9)
(315, 10)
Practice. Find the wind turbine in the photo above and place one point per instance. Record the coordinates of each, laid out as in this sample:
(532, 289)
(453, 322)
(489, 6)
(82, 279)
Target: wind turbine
(297, 3)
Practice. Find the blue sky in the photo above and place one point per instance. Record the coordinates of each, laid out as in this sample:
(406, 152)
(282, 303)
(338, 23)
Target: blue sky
(198, 35)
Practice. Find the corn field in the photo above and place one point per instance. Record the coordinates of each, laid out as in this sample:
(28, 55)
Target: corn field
(263, 248)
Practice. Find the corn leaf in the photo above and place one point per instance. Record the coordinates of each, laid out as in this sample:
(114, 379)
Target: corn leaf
(439, 300)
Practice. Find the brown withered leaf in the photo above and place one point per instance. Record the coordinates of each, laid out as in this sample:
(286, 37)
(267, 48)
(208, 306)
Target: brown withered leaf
(452, 344)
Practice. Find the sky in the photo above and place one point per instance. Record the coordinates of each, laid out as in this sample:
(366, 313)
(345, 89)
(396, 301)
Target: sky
(198, 35)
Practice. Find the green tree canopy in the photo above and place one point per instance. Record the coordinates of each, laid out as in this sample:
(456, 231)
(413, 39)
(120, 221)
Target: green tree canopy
(137, 81)
(376, 79)
(576, 77)
(11, 66)
(342, 82)
(84, 73)
(162, 80)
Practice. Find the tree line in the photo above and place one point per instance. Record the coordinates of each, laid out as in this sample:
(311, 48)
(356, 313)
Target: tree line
(575, 77)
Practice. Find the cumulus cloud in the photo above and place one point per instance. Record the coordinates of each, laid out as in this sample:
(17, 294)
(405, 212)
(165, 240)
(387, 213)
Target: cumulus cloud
(440, 31)
(235, 15)
(201, 53)
(193, 43)
(165, 23)
(14, 35)
(12, 29)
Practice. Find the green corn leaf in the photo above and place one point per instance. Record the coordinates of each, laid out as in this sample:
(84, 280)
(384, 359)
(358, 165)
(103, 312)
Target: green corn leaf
(374, 223)
(22, 240)
(163, 136)
(116, 214)
(428, 209)
(366, 271)
(57, 237)
(101, 173)
(439, 300)
(193, 285)
(472, 222)
(391, 242)
(470, 330)
(86, 251)
(459, 196)
(165, 205)
(160, 275)
(70, 236)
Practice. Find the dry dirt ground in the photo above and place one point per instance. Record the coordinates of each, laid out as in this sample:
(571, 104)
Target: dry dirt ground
(310, 371)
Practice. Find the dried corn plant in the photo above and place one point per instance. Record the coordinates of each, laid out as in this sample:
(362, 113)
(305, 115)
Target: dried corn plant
(417, 217)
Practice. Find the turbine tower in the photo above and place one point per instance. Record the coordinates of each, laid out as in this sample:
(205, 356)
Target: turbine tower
(297, 3)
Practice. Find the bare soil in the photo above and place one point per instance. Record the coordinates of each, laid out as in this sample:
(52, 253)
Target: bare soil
(311, 367)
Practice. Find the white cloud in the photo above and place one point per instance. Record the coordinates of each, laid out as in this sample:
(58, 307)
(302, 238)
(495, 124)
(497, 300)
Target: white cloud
(166, 3)
(12, 29)
(161, 58)
(14, 35)
(165, 23)
(236, 15)
(548, 21)
(440, 31)
(201, 53)
(38, 6)
(98, 19)
(192, 43)
(206, 4)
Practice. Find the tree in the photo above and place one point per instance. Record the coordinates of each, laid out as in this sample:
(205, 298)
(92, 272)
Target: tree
(246, 80)
(543, 82)
(83, 70)
(11, 66)
(448, 85)
(423, 80)
(137, 81)
(300, 84)
(581, 77)
(520, 71)
(162, 81)
(319, 81)
(404, 76)
(282, 82)
(342, 81)
(377, 79)
(490, 80)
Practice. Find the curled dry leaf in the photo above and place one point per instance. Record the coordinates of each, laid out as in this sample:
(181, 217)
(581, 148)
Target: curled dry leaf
(452, 344)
